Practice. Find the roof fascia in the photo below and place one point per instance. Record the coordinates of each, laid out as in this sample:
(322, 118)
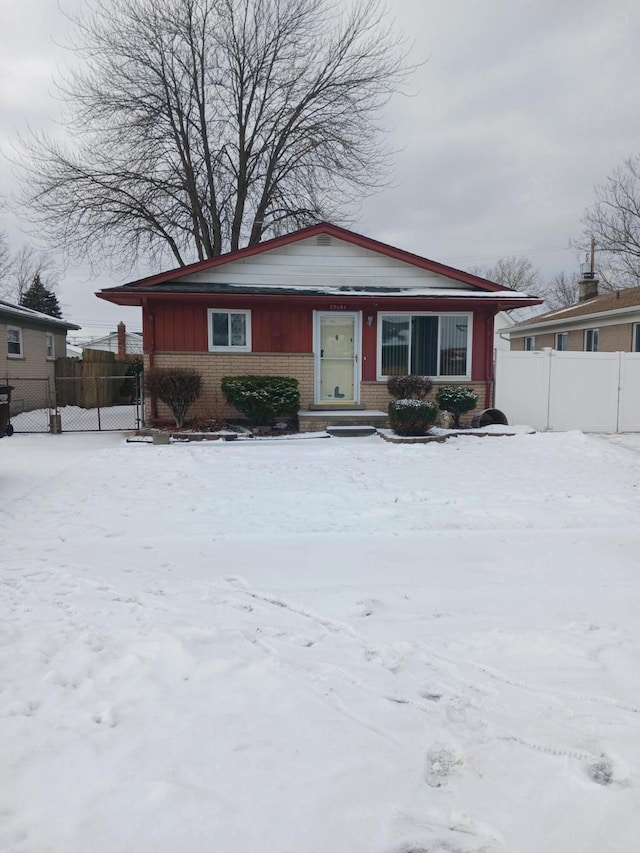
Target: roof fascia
(577, 320)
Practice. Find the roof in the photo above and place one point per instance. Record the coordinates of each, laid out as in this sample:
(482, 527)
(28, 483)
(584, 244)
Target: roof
(165, 282)
(608, 303)
(283, 290)
(20, 313)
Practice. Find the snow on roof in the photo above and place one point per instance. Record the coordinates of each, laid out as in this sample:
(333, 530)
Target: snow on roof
(28, 313)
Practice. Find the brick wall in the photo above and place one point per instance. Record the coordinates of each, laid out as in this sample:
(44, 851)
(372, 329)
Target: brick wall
(213, 366)
(614, 338)
(374, 395)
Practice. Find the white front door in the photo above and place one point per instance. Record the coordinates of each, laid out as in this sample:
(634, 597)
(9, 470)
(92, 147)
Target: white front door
(337, 343)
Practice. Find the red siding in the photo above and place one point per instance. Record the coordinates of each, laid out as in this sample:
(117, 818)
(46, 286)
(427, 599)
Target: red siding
(174, 325)
(182, 327)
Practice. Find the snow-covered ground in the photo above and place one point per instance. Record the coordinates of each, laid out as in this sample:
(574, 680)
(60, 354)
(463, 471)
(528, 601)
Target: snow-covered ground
(322, 645)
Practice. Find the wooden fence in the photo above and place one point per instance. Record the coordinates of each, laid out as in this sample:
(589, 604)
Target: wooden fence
(81, 382)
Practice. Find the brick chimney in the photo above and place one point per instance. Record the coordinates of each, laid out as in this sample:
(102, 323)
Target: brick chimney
(587, 287)
(588, 284)
(122, 341)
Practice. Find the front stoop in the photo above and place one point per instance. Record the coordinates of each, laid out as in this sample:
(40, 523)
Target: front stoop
(338, 431)
(316, 421)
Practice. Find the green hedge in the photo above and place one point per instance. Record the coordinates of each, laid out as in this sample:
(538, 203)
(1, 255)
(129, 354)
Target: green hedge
(262, 399)
(456, 399)
(412, 417)
(409, 387)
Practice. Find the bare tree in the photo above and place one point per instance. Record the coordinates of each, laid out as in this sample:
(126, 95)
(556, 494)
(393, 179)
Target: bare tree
(560, 291)
(18, 271)
(614, 221)
(518, 273)
(199, 126)
(6, 265)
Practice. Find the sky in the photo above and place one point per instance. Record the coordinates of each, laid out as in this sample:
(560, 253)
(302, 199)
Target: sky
(517, 111)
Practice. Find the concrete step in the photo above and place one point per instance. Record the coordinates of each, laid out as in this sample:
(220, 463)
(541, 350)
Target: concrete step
(350, 431)
(316, 421)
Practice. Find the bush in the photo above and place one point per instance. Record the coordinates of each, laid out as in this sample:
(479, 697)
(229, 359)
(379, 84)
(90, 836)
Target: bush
(457, 400)
(412, 417)
(262, 399)
(178, 387)
(409, 387)
(129, 387)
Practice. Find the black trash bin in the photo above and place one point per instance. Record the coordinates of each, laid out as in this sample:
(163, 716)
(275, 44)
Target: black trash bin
(5, 401)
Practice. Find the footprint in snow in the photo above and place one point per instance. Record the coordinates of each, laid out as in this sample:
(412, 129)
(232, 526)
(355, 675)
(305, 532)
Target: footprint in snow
(441, 762)
(107, 717)
(601, 771)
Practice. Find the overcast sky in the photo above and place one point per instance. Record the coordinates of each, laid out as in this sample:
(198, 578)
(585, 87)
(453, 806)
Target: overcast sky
(521, 108)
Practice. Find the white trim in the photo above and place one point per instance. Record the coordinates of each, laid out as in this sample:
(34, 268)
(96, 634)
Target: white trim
(20, 342)
(564, 335)
(595, 332)
(229, 311)
(357, 351)
(469, 316)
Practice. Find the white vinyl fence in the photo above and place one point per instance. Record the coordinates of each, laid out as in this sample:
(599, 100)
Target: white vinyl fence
(589, 391)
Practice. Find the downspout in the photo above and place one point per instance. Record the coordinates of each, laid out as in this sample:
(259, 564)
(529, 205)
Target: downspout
(150, 346)
(489, 362)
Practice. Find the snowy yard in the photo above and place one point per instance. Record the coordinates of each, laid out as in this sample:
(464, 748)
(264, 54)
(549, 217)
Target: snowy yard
(320, 646)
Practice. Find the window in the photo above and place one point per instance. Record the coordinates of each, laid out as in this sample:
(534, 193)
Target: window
(591, 340)
(14, 342)
(529, 344)
(229, 331)
(636, 337)
(50, 345)
(562, 341)
(424, 345)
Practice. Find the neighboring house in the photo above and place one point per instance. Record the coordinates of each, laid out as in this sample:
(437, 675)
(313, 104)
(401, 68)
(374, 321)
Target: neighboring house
(337, 310)
(34, 341)
(120, 342)
(503, 321)
(596, 323)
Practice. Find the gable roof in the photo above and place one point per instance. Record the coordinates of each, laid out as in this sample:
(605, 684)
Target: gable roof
(18, 313)
(330, 230)
(608, 303)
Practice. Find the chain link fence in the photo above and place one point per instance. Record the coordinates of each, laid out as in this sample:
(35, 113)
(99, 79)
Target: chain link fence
(73, 404)
(31, 403)
(99, 403)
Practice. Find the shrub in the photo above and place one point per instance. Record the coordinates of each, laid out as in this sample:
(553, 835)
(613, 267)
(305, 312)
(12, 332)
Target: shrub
(409, 387)
(129, 386)
(412, 417)
(457, 400)
(178, 387)
(262, 399)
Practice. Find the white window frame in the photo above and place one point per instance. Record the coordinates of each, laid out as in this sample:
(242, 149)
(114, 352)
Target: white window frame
(529, 347)
(467, 315)
(49, 336)
(229, 311)
(595, 336)
(20, 342)
(565, 336)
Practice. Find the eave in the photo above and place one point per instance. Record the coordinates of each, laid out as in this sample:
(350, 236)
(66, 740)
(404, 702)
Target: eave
(135, 297)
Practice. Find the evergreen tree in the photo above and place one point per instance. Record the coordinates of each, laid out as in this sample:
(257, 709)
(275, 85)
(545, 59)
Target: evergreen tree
(39, 298)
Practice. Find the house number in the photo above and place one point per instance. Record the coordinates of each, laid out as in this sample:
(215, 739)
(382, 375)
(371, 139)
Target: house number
(337, 307)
